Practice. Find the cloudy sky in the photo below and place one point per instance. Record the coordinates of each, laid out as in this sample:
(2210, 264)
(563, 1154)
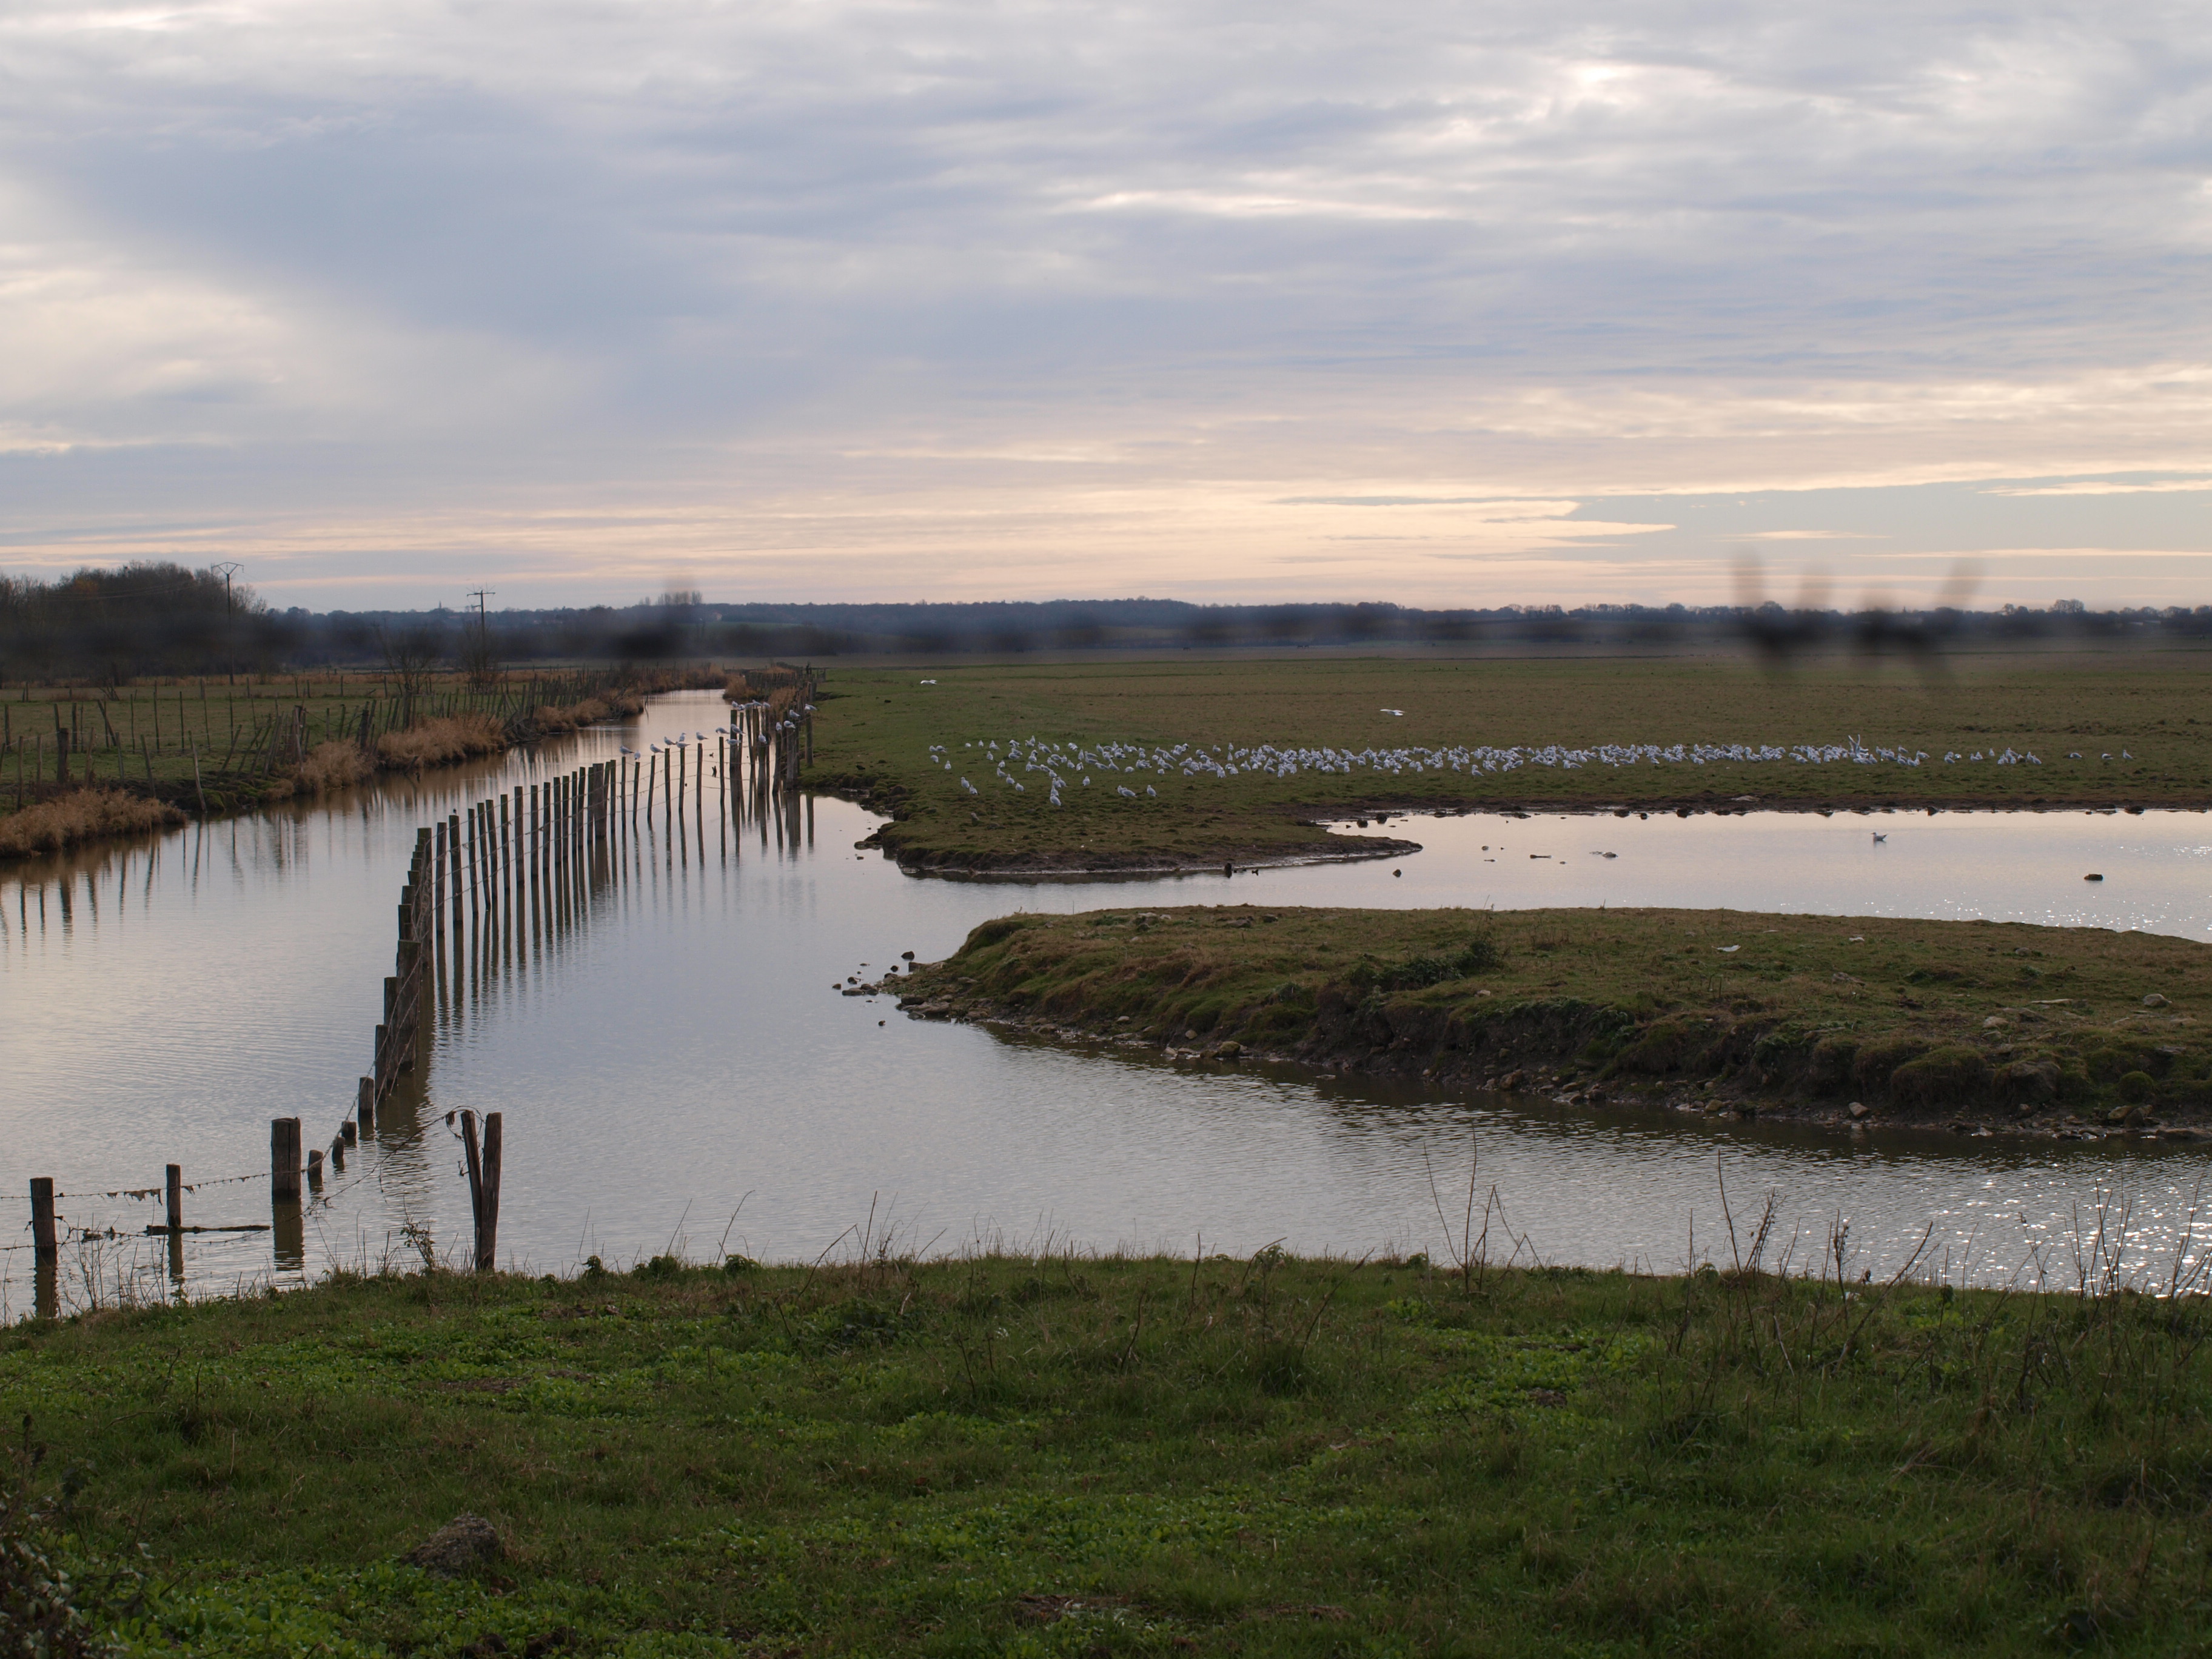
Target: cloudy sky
(1444, 303)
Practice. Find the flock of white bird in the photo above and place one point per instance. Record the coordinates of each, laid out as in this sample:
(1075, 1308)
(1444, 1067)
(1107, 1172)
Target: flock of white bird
(1066, 765)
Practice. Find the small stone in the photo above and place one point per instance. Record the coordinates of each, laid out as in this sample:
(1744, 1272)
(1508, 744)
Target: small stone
(1997, 1022)
(465, 1541)
(2153, 1000)
(1858, 1109)
(1229, 1050)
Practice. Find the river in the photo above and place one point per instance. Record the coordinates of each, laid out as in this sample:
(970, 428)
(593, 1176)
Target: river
(677, 1072)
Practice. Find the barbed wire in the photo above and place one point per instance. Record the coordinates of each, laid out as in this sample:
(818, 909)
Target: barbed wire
(159, 1191)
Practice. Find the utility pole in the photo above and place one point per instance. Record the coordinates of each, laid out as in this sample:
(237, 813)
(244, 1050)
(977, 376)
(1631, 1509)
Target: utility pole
(480, 665)
(227, 570)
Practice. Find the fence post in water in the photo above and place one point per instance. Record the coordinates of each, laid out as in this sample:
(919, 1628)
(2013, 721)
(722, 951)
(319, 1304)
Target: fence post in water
(175, 1184)
(284, 1160)
(364, 1105)
(42, 1217)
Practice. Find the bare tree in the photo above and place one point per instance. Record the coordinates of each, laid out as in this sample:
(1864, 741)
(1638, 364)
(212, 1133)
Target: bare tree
(412, 655)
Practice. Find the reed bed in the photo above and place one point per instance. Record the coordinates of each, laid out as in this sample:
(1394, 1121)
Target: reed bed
(81, 816)
(441, 742)
(337, 764)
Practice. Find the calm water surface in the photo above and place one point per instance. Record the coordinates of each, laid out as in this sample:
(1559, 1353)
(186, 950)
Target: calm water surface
(675, 1068)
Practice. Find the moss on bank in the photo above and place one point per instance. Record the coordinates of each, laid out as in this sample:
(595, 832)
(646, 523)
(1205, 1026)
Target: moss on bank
(2060, 1028)
(1076, 1455)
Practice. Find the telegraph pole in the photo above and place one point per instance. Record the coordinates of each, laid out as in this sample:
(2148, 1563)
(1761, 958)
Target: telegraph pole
(225, 570)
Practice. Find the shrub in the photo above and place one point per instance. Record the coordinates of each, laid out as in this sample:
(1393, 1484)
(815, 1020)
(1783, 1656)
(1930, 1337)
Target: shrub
(2028, 1081)
(1873, 1063)
(337, 764)
(43, 1610)
(2136, 1087)
(1830, 1066)
(1667, 1045)
(986, 934)
(1479, 955)
(1947, 1076)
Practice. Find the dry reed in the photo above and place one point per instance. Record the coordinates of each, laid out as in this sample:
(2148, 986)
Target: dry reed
(84, 815)
(567, 717)
(440, 742)
(337, 764)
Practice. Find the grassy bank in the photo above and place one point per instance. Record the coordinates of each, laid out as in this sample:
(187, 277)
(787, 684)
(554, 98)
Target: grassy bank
(903, 739)
(1064, 1455)
(2057, 1029)
(147, 753)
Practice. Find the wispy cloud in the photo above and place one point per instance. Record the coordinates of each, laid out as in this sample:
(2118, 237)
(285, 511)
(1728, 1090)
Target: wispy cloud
(1001, 285)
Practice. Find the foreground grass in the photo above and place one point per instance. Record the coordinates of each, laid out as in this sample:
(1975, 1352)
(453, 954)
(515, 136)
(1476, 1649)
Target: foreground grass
(1913, 1019)
(1083, 1455)
(876, 726)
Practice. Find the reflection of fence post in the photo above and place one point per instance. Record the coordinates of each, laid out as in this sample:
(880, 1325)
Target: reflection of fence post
(284, 1160)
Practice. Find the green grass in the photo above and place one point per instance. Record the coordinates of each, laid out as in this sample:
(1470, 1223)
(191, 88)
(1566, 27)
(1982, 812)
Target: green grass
(1991, 1022)
(876, 725)
(1064, 1455)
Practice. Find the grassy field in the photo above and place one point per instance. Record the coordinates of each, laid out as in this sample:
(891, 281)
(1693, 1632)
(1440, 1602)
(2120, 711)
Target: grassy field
(2041, 1028)
(876, 729)
(1077, 1455)
(142, 752)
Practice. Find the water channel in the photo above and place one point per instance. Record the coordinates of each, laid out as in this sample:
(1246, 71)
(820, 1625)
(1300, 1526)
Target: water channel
(676, 1071)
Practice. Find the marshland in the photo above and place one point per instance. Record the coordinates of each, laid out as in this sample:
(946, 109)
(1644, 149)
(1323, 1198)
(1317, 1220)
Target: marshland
(1379, 1288)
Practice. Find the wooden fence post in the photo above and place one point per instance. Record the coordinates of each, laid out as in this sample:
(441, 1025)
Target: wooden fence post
(483, 1190)
(42, 1216)
(176, 1194)
(488, 1206)
(364, 1107)
(284, 1160)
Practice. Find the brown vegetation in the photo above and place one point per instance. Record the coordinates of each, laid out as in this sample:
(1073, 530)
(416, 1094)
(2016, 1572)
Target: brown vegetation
(552, 718)
(339, 764)
(441, 742)
(83, 814)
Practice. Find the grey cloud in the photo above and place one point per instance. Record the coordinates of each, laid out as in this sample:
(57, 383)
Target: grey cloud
(686, 227)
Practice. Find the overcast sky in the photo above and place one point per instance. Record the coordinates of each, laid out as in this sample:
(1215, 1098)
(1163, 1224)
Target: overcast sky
(1444, 303)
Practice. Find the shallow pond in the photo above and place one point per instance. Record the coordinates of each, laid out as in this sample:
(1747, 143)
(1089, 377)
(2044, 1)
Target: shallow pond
(676, 1070)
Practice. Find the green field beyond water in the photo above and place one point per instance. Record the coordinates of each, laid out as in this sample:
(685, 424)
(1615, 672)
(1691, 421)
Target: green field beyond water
(876, 729)
(1072, 1455)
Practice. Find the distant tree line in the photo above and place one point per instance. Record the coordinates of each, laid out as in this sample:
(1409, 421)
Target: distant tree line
(162, 618)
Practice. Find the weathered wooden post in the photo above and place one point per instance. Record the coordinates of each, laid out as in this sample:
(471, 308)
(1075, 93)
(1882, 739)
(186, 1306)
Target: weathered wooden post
(42, 1217)
(176, 1196)
(484, 1185)
(284, 1160)
(364, 1105)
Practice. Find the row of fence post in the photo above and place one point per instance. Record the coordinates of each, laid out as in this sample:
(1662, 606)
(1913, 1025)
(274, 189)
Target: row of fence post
(474, 858)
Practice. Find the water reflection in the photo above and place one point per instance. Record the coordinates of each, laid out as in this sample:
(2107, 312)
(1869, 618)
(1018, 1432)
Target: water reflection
(657, 1020)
